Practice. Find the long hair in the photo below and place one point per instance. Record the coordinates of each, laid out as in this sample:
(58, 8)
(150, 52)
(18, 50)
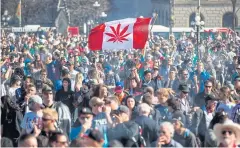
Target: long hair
(96, 91)
(69, 83)
(79, 79)
(226, 93)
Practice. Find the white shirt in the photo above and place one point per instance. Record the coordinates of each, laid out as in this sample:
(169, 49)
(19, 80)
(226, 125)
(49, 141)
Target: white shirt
(12, 93)
(73, 74)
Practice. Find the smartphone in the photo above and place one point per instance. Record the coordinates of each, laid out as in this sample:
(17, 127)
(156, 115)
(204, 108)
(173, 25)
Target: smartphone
(39, 84)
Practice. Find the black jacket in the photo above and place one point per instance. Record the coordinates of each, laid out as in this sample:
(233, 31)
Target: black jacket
(149, 127)
(11, 118)
(67, 98)
(124, 132)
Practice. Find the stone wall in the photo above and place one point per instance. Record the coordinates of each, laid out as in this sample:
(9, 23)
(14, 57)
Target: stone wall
(213, 15)
(212, 11)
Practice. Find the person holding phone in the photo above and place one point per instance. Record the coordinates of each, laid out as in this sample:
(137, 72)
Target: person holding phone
(33, 117)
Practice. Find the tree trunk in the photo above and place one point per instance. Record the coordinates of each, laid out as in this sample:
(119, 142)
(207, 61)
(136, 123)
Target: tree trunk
(234, 14)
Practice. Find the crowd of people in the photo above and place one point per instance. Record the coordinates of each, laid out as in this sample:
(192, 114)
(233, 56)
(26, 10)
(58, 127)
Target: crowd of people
(55, 92)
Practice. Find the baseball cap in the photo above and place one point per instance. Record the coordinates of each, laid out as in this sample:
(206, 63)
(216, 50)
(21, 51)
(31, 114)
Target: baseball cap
(123, 109)
(184, 88)
(46, 89)
(85, 110)
(95, 101)
(210, 97)
(36, 99)
(118, 89)
(95, 135)
(178, 118)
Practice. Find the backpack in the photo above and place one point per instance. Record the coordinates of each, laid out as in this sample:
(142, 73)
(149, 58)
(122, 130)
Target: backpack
(139, 140)
(187, 133)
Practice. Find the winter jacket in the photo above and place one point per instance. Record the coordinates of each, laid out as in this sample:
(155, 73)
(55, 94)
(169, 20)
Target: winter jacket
(199, 123)
(235, 115)
(210, 139)
(149, 127)
(125, 132)
(11, 120)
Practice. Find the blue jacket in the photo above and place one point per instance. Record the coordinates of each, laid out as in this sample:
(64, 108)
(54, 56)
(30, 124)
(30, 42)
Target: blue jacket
(75, 132)
(204, 76)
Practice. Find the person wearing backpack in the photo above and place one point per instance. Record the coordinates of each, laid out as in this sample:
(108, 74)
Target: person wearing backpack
(149, 127)
(124, 130)
(183, 135)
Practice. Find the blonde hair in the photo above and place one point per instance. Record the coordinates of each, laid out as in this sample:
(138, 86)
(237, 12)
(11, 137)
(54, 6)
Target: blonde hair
(50, 112)
(200, 64)
(165, 92)
(79, 79)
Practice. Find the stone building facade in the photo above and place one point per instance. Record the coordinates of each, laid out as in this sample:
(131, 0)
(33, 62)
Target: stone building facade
(215, 13)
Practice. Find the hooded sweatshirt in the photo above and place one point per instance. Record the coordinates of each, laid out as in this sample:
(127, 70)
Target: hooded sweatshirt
(66, 97)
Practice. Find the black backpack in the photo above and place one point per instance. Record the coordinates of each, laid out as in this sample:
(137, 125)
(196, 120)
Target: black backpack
(139, 140)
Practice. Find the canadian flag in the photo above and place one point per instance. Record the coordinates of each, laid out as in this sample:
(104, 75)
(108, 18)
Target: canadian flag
(120, 34)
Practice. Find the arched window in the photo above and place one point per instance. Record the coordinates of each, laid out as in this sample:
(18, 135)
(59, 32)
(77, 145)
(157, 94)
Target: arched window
(192, 18)
(228, 20)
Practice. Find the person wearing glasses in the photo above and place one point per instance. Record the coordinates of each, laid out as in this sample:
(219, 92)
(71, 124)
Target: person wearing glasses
(83, 124)
(64, 116)
(46, 127)
(183, 78)
(199, 98)
(228, 134)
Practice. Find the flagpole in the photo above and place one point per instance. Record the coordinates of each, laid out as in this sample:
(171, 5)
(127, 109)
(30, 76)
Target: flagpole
(20, 20)
(154, 20)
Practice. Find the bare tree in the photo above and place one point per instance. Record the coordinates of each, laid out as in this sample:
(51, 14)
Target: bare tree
(44, 12)
(82, 10)
(41, 12)
(234, 2)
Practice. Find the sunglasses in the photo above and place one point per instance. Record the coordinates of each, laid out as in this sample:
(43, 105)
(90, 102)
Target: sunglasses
(45, 119)
(229, 132)
(62, 142)
(184, 92)
(83, 118)
(208, 86)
